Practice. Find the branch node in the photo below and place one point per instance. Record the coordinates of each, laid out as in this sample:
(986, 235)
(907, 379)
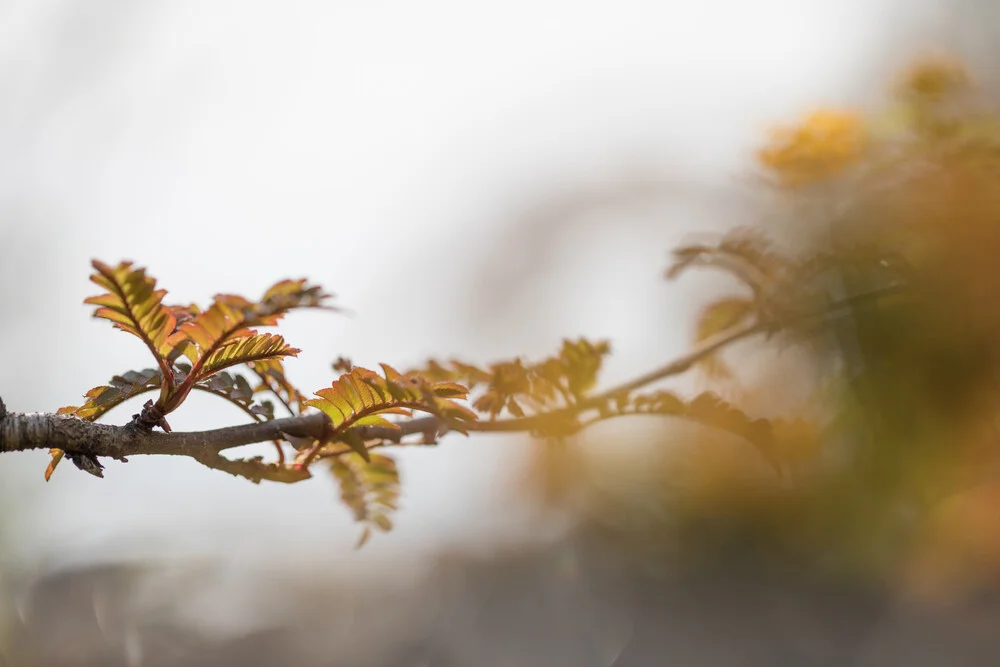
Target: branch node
(150, 416)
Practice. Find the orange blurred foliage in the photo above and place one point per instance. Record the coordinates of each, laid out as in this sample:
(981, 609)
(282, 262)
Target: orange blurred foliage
(824, 144)
(889, 469)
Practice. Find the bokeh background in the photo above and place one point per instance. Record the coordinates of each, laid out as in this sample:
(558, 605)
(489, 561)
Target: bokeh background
(471, 180)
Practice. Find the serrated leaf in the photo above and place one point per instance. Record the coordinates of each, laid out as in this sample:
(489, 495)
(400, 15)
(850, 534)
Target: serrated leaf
(659, 402)
(252, 348)
(709, 409)
(363, 397)
(133, 304)
(722, 315)
(288, 294)
(57, 456)
(231, 318)
(121, 388)
(716, 318)
(236, 390)
(743, 253)
(263, 409)
(369, 489)
(272, 378)
(517, 387)
(361, 393)
(450, 390)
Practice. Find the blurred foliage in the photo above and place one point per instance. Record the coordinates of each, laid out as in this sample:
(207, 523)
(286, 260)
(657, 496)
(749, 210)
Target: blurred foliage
(883, 298)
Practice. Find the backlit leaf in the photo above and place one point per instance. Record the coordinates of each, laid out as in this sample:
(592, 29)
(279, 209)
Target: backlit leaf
(133, 304)
(236, 390)
(714, 319)
(121, 388)
(363, 397)
(231, 318)
(370, 489)
(272, 378)
(253, 348)
(57, 455)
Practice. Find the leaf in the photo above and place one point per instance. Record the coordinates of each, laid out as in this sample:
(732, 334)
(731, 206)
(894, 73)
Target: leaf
(211, 330)
(450, 390)
(746, 255)
(57, 455)
(456, 371)
(272, 378)
(714, 319)
(236, 390)
(232, 317)
(121, 388)
(581, 361)
(358, 396)
(133, 304)
(366, 535)
(289, 294)
(252, 348)
(370, 489)
(711, 410)
(658, 402)
(721, 316)
(558, 381)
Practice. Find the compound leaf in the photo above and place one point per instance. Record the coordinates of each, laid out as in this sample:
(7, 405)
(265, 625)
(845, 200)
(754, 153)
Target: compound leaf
(133, 304)
(253, 348)
(369, 488)
(121, 388)
(363, 397)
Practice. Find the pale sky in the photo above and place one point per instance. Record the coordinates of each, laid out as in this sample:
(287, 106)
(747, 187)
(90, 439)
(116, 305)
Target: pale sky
(385, 150)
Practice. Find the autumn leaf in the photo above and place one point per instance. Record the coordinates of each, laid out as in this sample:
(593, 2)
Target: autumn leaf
(253, 348)
(362, 398)
(370, 488)
(271, 373)
(716, 318)
(133, 304)
(121, 388)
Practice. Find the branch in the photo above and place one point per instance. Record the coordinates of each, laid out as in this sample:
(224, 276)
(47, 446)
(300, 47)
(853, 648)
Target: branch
(42, 430)
(25, 431)
(684, 363)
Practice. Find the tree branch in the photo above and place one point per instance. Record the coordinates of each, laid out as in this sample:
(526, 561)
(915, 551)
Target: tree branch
(25, 431)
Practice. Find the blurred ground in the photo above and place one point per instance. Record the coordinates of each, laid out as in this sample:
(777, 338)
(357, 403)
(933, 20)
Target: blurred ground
(581, 602)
